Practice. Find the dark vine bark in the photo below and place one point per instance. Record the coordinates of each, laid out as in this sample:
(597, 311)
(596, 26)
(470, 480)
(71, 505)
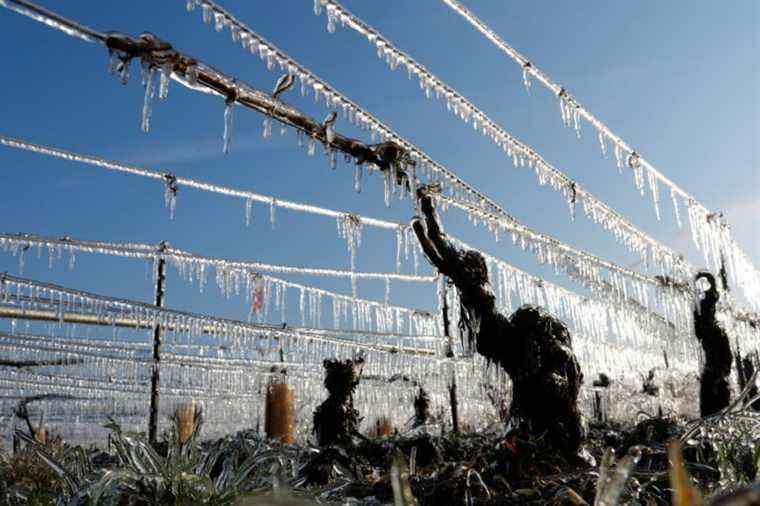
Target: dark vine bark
(531, 346)
(335, 420)
(714, 389)
(421, 408)
(745, 369)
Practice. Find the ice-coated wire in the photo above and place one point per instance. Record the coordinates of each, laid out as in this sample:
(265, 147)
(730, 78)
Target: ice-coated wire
(504, 219)
(475, 199)
(607, 298)
(744, 273)
(598, 211)
(270, 52)
(14, 241)
(190, 183)
(107, 307)
(222, 19)
(19, 313)
(53, 20)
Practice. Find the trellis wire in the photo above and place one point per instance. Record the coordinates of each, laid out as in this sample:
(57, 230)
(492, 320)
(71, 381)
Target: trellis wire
(743, 272)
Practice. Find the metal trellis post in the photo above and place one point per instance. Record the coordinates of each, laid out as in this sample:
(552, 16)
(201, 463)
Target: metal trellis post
(156, 376)
(450, 353)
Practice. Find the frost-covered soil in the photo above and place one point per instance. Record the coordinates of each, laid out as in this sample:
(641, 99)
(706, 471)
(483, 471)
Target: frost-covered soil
(475, 468)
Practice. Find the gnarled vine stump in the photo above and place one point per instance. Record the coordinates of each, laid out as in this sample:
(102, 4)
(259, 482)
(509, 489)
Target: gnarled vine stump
(714, 390)
(336, 420)
(531, 346)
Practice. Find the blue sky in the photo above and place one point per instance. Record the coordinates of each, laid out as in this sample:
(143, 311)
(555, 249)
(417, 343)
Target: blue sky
(678, 80)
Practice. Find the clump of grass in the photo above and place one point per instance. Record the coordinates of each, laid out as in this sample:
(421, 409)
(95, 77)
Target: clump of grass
(27, 479)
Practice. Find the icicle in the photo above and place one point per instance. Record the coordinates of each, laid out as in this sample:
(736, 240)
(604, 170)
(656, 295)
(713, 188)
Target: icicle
(676, 207)
(634, 162)
(572, 196)
(206, 8)
(350, 228)
(190, 6)
(123, 68)
(602, 143)
(170, 193)
(248, 209)
(163, 87)
(577, 120)
(330, 19)
(317, 7)
(219, 21)
(267, 128)
(312, 146)
(564, 107)
(272, 206)
(227, 136)
(302, 306)
(358, 178)
(148, 99)
(113, 60)
(22, 260)
(387, 290)
(399, 246)
(258, 299)
(655, 192)
(526, 77)
(388, 186)
(619, 157)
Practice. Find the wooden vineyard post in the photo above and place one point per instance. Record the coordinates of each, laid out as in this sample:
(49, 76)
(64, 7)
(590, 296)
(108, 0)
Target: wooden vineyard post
(156, 376)
(450, 354)
(279, 420)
